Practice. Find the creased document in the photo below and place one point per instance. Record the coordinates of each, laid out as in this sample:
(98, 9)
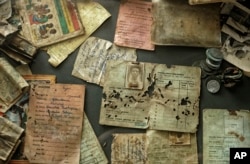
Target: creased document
(9, 137)
(92, 14)
(224, 129)
(49, 21)
(149, 95)
(12, 85)
(171, 147)
(133, 27)
(128, 148)
(54, 126)
(91, 150)
(92, 56)
(175, 22)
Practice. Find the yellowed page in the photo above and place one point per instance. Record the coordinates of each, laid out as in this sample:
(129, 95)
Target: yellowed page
(134, 25)
(224, 129)
(12, 85)
(128, 148)
(149, 95)
(175, 22)
(92, 14)
(47, 22)
(92, 56)
(171, 147)
(9, 136)
(91, 150)
(54, 126)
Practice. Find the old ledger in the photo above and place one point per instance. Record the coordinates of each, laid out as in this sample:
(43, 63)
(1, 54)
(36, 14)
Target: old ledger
(54, 125)
(12, 85)
(90, 64)
(171, 147)
(149, 95)
(133, 25)
(93, 15)
(224, 129)
(9, 139)
(47, 22)
(91, 150)
(128, 148)
(175, 22)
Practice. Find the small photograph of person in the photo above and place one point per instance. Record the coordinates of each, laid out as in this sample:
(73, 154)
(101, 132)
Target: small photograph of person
(179, 138)
(134, 76)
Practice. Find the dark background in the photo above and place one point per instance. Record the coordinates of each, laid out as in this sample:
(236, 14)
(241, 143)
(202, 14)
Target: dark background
(226, 98)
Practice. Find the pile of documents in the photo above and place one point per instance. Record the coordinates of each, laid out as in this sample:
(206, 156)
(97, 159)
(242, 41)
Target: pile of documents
(42, 121)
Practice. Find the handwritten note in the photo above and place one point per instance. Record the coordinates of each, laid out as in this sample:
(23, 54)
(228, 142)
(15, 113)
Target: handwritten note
(91, 150)
(133, 27)
(54, 125)
(129, 148)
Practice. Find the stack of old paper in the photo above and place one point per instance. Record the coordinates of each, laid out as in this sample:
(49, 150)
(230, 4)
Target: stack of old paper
(12, 85)
(10, 134)
(152, 96)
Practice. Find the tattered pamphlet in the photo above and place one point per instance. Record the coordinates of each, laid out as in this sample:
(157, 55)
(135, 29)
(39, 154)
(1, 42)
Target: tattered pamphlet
(171, 147)
(54, 125)
(10, 134)
(175, 22)
(91, 150)
(149, 95)
(92, 56)
(47, 22)
(92, 14)
(224, 129)
(128, 148)
(12, 85)
(133, 28)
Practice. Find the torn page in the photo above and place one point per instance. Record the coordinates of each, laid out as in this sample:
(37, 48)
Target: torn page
(9, 137)
(54, 126)
(92, 56)
(92, 14)
(197, 25)
(224, 129)
(128, 148)
(149, 95)
(12, 85)
(133, 28)
(171, 147)
(47, 22)
(91, 150)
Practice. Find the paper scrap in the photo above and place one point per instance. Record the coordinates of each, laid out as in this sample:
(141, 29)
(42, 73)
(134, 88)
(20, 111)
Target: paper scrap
(92, 56)
(133, 28)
